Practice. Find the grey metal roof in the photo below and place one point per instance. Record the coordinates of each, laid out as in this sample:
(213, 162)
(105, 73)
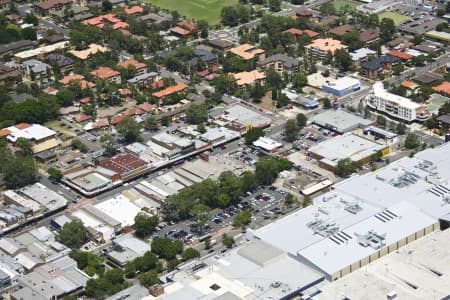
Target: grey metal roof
(16, 45)
(287, 61)
(379, 62)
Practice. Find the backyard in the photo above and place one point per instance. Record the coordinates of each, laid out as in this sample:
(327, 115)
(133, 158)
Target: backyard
(396, 17)
(208, 10)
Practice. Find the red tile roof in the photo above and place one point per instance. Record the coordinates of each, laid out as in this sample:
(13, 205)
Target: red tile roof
(134, 10)
(4, 132)
(138, 65)
(125, 91)
(202, 73)
(186, 24)
(298, 32)
(401, 55)
(22, 125)
(117, 119)
(341, 30)
(81, 118)
(368, 35)
(170, 90)
(105, 73)
(134, 112)
(147, 107)
(123, 163)
(443, 88)
(85, 100)
(158, 84)
(179, 30)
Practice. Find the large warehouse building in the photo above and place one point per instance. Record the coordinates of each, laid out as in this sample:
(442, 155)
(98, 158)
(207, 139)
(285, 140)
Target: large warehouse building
(342, 86)
(369, 216)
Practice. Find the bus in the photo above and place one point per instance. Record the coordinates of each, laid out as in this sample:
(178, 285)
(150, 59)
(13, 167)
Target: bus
(204, 237)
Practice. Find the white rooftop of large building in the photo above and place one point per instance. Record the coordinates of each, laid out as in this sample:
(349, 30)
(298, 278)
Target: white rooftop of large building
(41, 50)
(267, 144)
(33, 132)
(381, 92)
(394, 224)
(424, 264)
(342, 83)
(339, 120)
(120, 208)
(245, 116)
(346, 146)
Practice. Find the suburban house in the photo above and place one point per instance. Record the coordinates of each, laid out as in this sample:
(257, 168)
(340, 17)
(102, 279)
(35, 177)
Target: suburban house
(62, 62)
(43, 8)
(298, 32)
(108, 74)
(84, 84)
(170, 91)
(8, 74)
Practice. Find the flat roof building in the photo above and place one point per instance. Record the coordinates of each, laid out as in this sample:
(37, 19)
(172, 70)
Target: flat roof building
(339, 121)
(351, 146)
(248, 52)
(395, 106)
(267, 144)
(342, 86)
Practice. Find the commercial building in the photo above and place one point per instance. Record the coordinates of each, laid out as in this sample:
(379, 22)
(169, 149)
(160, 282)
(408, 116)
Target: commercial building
(219, 135)
(440, 36)
(126, 165)
(319, 48)
(267, 144)
(339, 121)
(240, 118)
(358, 149)
(416, 271)
(342, 86)
(90, 181)
(366, 217)
(380, 133)
(395, 106)
(41, 138)
(256, 270)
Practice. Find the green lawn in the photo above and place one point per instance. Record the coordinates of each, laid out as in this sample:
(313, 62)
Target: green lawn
(396, 17)
(339, 4)
(208, 10)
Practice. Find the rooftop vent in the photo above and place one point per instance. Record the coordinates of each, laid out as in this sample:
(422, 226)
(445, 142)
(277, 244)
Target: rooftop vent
(371, 238)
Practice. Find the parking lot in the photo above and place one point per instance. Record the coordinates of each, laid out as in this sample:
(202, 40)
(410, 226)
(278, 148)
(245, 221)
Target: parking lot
(265, 203)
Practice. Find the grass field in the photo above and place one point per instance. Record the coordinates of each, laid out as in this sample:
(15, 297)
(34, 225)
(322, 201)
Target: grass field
(338, 4)
(396, 17)
(208, 10)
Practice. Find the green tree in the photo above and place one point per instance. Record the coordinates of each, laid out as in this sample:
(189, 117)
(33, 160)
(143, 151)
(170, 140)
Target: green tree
(274, 5)
(412, 141)
(387, 29)
(432, 122)
(73, 234)
(18, 171)
(225, 84)
(165, 121)
(267, 169)
(291, 130)
(31, 19)
(190, 253)
(248, 181)
(166, 248)
(129, 129)
(326, 103)
(253, 134)
(289, 200)
(381, 121)
(148, 278)
(328, 9)
(273, 79)
(144, 224)
(200, 214)
(345, 167)
(29, 33)
(342, 60)
(197, 113)
(26, 148)
(301, 120)
(109, 144)
(400, 128)
(54, 174)
(242, 219)
(201, 128)
(299, 80)
(150, 123)
(228, 241)
(76, 144)
(88, 262)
